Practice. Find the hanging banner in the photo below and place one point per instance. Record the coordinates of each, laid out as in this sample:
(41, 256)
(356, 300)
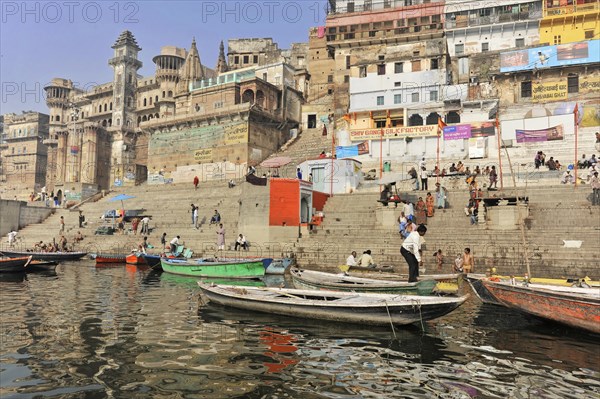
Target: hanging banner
(457, 132)
(532, 136)
(589, 84)
(350, 151)
(74, 149)
(549, 91)
(587, 52)
(394, 132)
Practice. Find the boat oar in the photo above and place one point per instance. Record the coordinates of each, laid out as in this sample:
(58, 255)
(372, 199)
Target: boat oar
(28, 261)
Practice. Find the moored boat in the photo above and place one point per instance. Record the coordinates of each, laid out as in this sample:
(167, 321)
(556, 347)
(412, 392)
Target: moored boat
(475, 281)
(110, 258)
(351, 307)
(49, 256)
(214, 269)
(576, 307)
(41, 266)
(136, 258)
(446, 283)
(152, 260)
(308, 279)
(14, 265)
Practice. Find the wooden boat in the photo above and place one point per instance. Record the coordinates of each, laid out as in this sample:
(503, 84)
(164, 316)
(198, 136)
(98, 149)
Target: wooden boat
(110, 258)
(278, 266)
(446, 283)
(41, 266)
(136, 258)
(576, 307)
(367, 269)
(213, 269)
(14, 265)
(152, 260)
(49, 256)
(308, 279)
(351, 307)
(485, 296)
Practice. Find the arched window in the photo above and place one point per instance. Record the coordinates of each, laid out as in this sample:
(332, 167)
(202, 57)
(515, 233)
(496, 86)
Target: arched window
(144, 118)
(432, 118)
(170, 93)
(105, 107)
(100, 108)
(139, 119)
(110, 107)
(453, 117)
(144, 102)
(52, 118)
(58, 118)
(260, 98)
(415, 120)
(248, 96)
(156, 115)
(155, 99)
(104, 123)
(118, 122)
(150, 100)
(109, 122)
(164, 94)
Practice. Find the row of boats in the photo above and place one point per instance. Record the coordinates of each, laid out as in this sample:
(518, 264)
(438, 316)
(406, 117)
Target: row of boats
(349, 298)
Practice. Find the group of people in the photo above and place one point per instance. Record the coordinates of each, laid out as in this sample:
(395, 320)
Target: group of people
(365, 260)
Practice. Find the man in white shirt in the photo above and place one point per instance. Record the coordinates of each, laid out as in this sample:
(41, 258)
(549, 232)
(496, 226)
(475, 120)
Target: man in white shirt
(174, 244)
(145, 222)
(12, 237)
(351, 261)
(422, 164)
(241, 242)
(410, 250)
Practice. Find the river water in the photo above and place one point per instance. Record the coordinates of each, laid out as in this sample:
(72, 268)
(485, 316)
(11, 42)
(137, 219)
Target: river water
(121, 332)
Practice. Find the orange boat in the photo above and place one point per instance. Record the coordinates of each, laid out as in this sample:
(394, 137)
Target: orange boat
(137, 259)
(110, 258)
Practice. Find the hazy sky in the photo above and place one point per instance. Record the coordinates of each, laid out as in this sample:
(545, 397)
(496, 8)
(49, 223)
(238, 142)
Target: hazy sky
(40, 40)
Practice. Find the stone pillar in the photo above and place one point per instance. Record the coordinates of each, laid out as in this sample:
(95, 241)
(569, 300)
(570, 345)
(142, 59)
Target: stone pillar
(89, 156)
(61, 157)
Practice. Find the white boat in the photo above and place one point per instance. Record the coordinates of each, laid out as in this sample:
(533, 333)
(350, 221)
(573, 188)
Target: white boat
(350, 307)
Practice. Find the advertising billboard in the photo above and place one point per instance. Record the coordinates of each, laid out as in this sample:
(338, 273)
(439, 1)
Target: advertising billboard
(550, 56)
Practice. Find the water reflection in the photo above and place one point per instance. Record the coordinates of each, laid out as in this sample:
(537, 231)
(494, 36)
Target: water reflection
(128, 332)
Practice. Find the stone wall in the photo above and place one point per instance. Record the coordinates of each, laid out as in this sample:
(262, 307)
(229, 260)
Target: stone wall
(16, 215)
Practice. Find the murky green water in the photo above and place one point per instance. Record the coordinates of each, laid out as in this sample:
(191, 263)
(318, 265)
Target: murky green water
(127, 333)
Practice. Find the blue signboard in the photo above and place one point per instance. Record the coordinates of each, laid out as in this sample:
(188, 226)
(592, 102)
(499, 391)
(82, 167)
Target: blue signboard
(551, 56)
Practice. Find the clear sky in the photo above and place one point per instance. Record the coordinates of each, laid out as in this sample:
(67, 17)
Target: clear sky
(41, 40)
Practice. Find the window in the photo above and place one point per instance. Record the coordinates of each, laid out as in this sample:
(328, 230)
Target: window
(397, 84)
(236, 59)
(459, 48)
(329, 78)
(381, 58)
(362, 72)
(557, 39)
(265, 76)
(525, 89)
(387, 3)
(380, 100)
(351, 7)
(520, 42)
(346, 78)
(433, 95)
(255, 59)
(347, 62)
(398, 67)
(397, 98)
(24, 150)
(246, 59)
(416, 65)
(589, 34)
(329, 91)
(434, 63)
(380, 124)
(372, 33)
(381, 69)
(485, 47)
(573, 84)
(218, 104)
(415, 97)
(368, 5)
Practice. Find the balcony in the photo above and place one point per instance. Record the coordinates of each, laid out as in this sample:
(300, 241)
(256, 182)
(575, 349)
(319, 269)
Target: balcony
(462, 21)
(572, 9)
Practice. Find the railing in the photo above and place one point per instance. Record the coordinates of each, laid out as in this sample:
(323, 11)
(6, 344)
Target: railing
(492, 19)
(575, 8)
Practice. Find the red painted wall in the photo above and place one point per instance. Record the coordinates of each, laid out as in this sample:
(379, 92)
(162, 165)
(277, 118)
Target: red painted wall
(285, 202)
(319, 199)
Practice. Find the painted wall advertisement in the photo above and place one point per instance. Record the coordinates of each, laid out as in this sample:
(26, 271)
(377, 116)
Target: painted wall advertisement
(204, 155)
(393, 132)
(549, 91)
(352, 150)
(533, 136)
(551, 56)
(467, 131)
(237, 134)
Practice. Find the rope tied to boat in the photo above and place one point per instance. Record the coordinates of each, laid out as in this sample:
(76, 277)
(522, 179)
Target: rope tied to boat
(390, 317)
(417, 303)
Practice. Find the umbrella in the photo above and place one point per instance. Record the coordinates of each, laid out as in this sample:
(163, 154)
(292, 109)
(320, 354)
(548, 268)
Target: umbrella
(276, 162)
(121, 197)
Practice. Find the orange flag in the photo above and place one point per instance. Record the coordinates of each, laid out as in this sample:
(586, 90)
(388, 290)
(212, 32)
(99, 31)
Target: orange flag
(441, 123)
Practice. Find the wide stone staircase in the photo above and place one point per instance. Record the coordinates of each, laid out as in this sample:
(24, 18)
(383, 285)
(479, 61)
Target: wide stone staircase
(355, 222)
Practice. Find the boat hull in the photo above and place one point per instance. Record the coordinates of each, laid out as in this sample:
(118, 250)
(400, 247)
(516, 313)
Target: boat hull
(136, 259)
(446, 283)
(41, 266)
(580, 311)
(110, 258)
(379, 309)
(304, 279)
(481, 291)
(152, 260)
(201, 268)
(14, 265)
(50, 256)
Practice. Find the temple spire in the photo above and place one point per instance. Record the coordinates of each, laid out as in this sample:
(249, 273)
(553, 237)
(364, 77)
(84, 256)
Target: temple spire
(192, 68)
(222, 61)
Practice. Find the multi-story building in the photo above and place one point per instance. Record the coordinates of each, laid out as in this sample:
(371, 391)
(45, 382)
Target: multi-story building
(24, 156)
(569, 21)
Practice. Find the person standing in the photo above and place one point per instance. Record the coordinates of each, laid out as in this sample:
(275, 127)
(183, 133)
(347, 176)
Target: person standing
(12, 238)
(195, 217)
(135, 222)
(421, 214)
(595, 183)
(81, 219)
(467, 261)
(429, 202)
(411, 251)
(196, 182)
(174, 244)
(439, 258)
(220, 237)
(193, 208)
(424, 178)
(414, 176)
(493, 177)
(163, 240)
(145, 229)
(440, 196)
(62, 224)
(299, 173)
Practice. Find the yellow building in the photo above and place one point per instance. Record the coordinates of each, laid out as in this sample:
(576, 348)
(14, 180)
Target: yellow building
(568, 21)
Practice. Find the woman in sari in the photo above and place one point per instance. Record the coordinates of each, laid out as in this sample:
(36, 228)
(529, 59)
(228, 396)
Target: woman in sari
(430, 205)
(440, 196)
(421, 216)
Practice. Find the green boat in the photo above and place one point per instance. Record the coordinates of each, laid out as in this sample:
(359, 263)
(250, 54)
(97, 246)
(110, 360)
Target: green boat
(192, 282)
(308, 279)
(209, 268)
